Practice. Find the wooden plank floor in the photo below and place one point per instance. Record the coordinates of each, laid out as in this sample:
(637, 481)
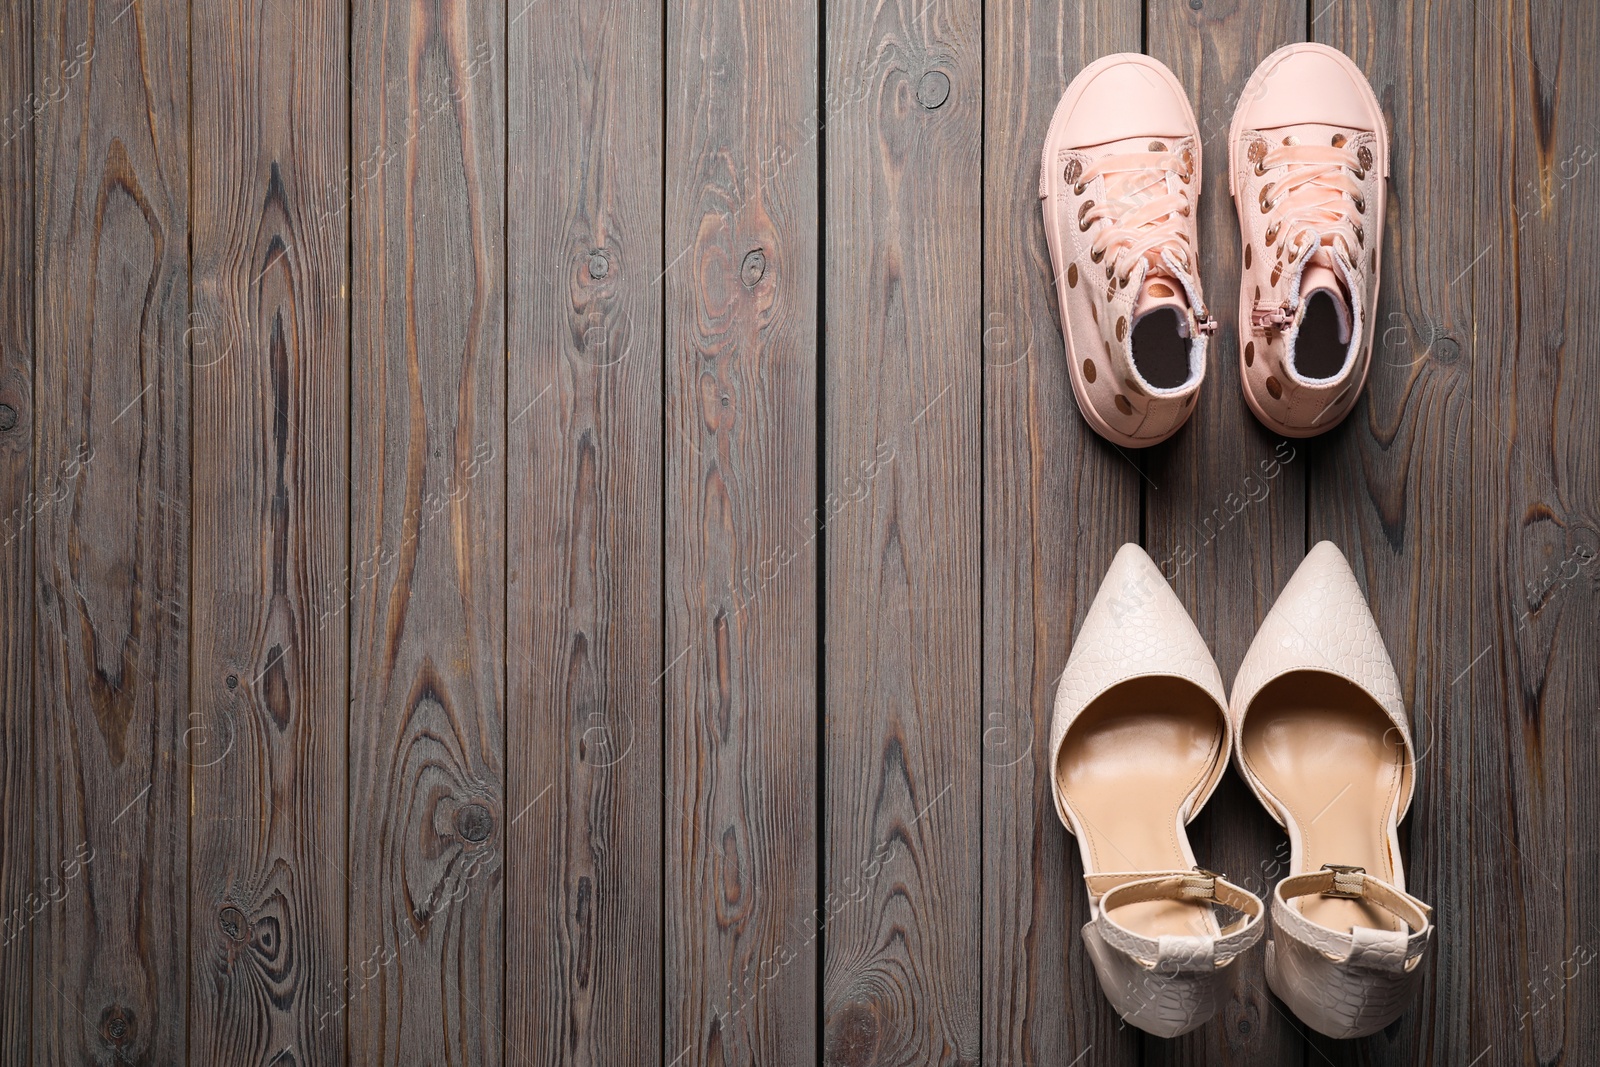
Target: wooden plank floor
(545, 533)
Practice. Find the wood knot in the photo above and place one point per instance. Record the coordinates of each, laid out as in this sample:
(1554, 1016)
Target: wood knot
(599, 265)
(231, 919)
(8, 418)
(1448, 350)
(117, 1025)
(473, 822)
(854, 1033)
(753, 268)
(934, 89)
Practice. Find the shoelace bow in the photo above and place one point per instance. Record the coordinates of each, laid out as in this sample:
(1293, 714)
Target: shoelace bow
(1311, 200)
(1138, 229)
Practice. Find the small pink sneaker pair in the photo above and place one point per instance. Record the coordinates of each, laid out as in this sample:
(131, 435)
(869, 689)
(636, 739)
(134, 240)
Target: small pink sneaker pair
(1120, 176)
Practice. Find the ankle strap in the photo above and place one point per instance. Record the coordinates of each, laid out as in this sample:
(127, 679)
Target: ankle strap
(1361, 946)
(1175, 952)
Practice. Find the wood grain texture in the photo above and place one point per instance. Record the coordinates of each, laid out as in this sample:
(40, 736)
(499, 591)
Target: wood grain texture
(269, 344)
(112, 444)
(1529, 778)
(743, 526)
(903, 187)
(20, 898)
(1058, 502)
(1225, 501)
(427, 734)
(1391, 486)
(583, 876)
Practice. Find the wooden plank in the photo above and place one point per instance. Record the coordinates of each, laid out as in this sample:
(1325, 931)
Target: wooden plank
(111, 549)
(1528, 776)
(583, 878)
(20, 898)
(427, 734)
(740, 668)
(270, 351)
(1390, 486)
(903, 188)
(1058, 502)
(1224, 502)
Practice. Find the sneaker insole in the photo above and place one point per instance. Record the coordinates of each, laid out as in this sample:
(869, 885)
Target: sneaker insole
(1318, 352)
(1333, 761)
(1130, 761)
(1160, 352)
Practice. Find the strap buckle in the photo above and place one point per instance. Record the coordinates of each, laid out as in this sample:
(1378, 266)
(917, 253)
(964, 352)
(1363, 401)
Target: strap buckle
(1204, 892)
(1344, 884)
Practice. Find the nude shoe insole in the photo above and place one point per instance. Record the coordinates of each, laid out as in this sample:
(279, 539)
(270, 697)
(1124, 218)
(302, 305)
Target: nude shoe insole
(1130, 761)
(1333, 762)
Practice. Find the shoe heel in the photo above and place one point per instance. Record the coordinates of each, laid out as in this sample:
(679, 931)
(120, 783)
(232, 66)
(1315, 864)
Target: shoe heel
(1334, 998)
(1162, 1001)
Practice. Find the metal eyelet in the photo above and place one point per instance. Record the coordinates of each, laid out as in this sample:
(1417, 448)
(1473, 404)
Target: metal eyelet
(1361, 204)
(1272, 233)
(1082, 211)
(1361, 236)
(1266, 199)
(1077, 189)
(1364, 157)
(1070, 174)
(1097, 254)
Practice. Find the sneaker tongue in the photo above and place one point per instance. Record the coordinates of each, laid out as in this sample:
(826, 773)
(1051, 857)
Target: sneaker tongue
(1158, 293)
(1320, 279)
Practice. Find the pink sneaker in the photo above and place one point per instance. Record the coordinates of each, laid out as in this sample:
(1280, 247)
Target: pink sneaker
(1307, 155)
(1119, 179)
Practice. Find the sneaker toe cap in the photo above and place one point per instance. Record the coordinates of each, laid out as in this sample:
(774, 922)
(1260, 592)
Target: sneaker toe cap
(1309, 84)
(1124, 100)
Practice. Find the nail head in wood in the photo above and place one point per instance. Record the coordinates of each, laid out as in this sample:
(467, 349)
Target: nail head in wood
(934, 89)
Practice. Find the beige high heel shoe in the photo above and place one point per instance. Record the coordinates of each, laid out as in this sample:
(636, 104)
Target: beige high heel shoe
(1139, 740)
(1324, 742)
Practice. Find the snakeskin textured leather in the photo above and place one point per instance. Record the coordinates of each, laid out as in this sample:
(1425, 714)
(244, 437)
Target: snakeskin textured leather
(1136, 627)
(1321, 622)
(1354, 982)
(1347, 984)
